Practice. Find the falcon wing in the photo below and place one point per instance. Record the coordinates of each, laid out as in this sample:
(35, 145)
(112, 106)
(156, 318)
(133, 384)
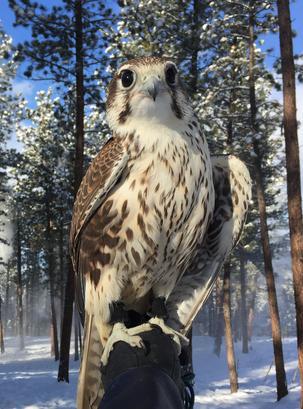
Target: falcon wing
(102, 175)
(233, 192)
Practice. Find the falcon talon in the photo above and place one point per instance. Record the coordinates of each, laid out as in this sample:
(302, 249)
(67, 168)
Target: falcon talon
(179, 338)
(120, 333)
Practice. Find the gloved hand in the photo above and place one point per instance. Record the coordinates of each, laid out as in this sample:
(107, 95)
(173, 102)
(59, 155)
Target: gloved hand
(144, 378)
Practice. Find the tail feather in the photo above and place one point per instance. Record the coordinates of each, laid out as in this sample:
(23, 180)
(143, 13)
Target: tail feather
(90, 388)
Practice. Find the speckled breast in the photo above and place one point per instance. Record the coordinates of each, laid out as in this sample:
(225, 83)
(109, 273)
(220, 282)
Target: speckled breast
(171, 199)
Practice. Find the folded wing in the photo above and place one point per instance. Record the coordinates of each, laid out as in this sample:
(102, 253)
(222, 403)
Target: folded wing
(233, 192)
(101, 177)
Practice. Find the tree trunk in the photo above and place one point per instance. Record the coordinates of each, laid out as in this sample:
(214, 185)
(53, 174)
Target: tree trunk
(63, 372)
(293, 170)
(52, 352)
(230, 353)
(269, 274)
(271, 289)
(54, 324)
(79, 96)
(195, 47)
(190, 348)
(243, 304)
(2, 349)
(219, 320)
(211, 316)
(34, 279)
(19, 284)
(51, 270)
(237, 318)
(251, 310)
(76, 330)
(80, 337)
(27, 307)
(7, 293)
(62, 268)
(250, 320)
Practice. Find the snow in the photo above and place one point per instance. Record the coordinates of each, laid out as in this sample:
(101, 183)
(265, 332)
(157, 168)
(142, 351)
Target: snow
(256, 385)
(28, 379)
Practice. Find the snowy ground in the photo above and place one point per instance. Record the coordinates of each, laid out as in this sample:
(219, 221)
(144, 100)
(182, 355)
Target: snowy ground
(256, 385)
(28, 379)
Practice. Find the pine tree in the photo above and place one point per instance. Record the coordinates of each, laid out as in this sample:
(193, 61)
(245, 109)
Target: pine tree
(10, 110)
(243, 281)
(230, 93)
(247, 86)
(293, 169)
(2, 348)
(43, 189)
(230, 353)
(67, 47)
(273, 304)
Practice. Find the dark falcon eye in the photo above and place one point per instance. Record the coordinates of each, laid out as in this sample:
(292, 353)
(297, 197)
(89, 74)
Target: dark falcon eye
(170, 75)
(127, 78)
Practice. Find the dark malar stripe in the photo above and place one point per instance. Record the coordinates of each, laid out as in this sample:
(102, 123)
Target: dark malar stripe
(125, 113)
(175, 107)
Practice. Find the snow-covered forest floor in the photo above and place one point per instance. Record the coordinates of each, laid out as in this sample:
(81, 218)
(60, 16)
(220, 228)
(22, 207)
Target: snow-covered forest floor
(28, 378)
(256, 385)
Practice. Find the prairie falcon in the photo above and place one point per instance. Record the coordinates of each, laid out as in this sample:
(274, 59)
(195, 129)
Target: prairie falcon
(143, 209)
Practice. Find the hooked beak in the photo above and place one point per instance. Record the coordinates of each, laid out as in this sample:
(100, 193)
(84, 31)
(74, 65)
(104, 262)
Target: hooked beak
(151, 88)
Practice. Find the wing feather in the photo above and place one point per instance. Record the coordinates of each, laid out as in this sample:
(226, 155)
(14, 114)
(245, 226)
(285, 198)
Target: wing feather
(233, 192)
(101, 177)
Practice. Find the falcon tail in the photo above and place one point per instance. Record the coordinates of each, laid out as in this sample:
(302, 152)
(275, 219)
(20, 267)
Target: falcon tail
(90, 390)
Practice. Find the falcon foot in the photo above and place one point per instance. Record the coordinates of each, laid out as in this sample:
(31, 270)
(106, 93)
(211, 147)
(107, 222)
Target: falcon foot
(120, 333)
(158, 315)
(179, 338)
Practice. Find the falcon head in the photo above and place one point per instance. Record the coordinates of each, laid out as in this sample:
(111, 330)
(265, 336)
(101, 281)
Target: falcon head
(147, 90)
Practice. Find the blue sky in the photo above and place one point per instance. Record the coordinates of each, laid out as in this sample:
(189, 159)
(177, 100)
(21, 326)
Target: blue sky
(29, 88)
(21, 84)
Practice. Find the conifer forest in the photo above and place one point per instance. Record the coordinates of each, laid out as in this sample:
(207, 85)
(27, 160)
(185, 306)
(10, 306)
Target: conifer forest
(241, 63)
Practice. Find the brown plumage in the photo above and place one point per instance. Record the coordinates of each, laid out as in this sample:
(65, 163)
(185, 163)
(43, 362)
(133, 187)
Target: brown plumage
(100, 177)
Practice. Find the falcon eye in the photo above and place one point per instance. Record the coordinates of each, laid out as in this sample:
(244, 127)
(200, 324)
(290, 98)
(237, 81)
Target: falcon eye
(127, 78)
(170, 75)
